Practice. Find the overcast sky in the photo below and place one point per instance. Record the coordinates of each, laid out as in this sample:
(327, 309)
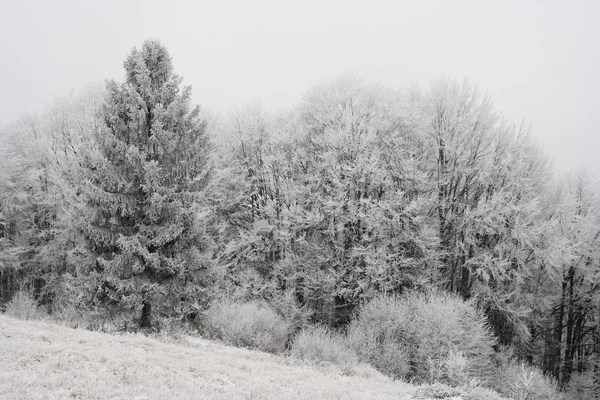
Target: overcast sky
(539, 60)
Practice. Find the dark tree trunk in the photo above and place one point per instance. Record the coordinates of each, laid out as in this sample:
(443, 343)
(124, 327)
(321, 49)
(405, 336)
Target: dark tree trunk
(578, 337)
(596, 367)
(570, 342)
(556, 350)
(146, 318)
(554, 345)
(464, 282)
(2, 290)
(465, 279)
(547, 358)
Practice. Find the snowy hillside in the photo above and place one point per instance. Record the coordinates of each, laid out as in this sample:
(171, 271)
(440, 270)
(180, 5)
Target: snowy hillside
(47, 361)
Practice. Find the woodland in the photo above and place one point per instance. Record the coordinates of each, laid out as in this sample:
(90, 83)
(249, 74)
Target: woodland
(364, 212)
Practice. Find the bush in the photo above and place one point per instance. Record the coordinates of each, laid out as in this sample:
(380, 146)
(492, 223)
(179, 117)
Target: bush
(319, 343)
(24, 306)
(70, 309)
(64, 309)
(424, 338)
(252, 324)
(441, 391)
(523, 382)
(479, 393)
(286, 304)
(437, 391)
(584, 385)
(456, 368)
(378, 336)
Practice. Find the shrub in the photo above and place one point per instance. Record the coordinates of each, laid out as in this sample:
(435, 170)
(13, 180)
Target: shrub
(378, 336)
(24, 306)
(441, 391)
(583, 386)
(286, 304)
(319, 343)
(252, 324)
(69, 309)
(64, 309)
(437, 391)
(479, 393)
(523, 382)
(424, 337)
(456, 368)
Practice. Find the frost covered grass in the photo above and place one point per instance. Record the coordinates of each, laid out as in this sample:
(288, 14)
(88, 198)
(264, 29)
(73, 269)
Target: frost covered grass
(41, 360)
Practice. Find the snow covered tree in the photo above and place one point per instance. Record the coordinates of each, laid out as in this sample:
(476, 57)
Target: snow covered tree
(145, 246)
(323, 202)
(569, 322)
(14, 177)
(39, 166)
(28, 206)
(495, 228)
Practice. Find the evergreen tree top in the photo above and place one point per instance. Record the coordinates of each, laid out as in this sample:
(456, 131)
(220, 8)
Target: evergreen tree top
(149, 68)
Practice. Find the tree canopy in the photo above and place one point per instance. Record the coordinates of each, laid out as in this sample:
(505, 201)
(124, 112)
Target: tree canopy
(126, 203)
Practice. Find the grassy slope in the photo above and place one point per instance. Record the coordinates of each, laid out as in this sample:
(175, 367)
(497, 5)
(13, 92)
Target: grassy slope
(41, 360)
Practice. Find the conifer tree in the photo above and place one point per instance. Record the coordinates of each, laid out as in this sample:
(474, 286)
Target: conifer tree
(145, 243)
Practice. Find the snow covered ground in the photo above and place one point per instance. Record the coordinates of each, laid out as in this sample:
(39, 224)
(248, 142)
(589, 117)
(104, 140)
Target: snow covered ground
(41, 360)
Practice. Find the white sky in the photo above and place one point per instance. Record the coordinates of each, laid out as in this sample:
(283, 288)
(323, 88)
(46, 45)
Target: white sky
(538, 59)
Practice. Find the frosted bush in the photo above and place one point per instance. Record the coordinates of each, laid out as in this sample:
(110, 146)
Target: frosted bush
(379, 337)
(424, 338)
(523, 382)
(319, 343)
(583, 386)
(24, 306)
(252, 324)
(442, 391)
(480, 393)
(455, 368)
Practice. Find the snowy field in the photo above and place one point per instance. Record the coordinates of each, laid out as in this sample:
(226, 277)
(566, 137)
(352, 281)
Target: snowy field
(42, 360)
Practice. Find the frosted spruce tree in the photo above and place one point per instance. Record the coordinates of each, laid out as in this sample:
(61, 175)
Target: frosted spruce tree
(144, 238)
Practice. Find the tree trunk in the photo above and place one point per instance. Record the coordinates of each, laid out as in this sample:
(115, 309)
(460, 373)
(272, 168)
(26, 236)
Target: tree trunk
(464, 282)
(570, 345)
(597, 358)
(146, 318)
(2, 300)
(554, 357)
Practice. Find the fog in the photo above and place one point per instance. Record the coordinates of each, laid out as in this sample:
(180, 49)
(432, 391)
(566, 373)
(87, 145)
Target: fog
(538, 59)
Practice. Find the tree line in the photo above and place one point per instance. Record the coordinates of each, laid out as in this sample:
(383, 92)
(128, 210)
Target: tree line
(128, 203)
